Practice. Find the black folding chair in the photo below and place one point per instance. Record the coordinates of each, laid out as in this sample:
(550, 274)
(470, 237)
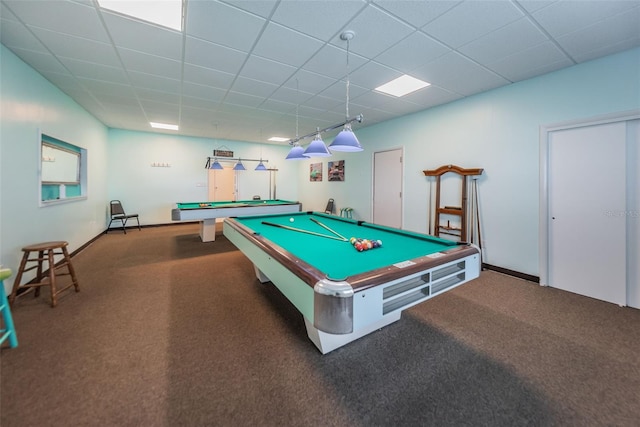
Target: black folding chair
(118, 214)
(330, 208)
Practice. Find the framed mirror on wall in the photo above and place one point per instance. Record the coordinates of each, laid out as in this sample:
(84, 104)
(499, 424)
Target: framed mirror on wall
(62, 171)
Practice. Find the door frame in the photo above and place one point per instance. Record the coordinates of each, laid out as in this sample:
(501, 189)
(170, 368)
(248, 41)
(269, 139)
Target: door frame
(543, 215)
(373, 182)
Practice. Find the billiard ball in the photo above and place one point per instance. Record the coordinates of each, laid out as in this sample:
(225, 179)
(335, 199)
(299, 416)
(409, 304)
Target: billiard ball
(291, 219)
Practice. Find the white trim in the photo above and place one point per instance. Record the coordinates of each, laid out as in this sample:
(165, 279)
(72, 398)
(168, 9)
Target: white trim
(543, 212)
(402, 181)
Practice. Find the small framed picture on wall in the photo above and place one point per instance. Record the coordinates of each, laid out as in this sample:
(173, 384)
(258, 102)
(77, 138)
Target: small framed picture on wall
(336, 171)
(315, 172)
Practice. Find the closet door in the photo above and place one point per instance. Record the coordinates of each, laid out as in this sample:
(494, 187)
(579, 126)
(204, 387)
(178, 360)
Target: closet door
(587, 205)
(387, 188)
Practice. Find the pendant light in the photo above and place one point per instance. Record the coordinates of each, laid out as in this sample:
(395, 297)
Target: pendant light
(239, 166)
(317, 148)
(216, 164)
(296, 152)
(346, 140)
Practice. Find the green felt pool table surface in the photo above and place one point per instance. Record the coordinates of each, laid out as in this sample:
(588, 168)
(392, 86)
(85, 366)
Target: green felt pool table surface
(339, 259)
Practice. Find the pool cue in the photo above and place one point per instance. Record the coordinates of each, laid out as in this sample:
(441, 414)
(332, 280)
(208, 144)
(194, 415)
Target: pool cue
(429, 208)
(327, 228)
(299, 230)
(475, 187)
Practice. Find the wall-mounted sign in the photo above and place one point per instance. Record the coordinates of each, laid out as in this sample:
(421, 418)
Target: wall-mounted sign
(222, 153)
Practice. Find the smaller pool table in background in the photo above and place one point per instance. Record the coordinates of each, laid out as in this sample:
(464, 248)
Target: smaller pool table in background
(208, 212)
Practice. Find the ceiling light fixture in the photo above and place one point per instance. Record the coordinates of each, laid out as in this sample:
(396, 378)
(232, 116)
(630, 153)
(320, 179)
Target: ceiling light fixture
(167, 13)
(317, 148)
(402, 86)
(346, 140)
(166, 126)
(215, 165)
(239, 166)
(277, 139)
(296, 152)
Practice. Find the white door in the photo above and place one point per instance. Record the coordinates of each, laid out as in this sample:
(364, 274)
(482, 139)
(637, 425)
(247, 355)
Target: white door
(587, 199)
(387, 188)
(222, 185)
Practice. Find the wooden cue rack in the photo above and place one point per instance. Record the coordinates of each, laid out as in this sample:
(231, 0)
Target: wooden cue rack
(457, 211)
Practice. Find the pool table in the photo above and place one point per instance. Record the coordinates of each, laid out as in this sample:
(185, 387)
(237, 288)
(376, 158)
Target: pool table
(208, 212)
(342, 293)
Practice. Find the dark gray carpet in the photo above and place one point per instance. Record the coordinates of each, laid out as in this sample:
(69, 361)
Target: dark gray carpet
(169, 331)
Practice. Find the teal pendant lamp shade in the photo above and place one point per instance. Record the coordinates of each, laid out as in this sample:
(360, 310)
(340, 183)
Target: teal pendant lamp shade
(346, 141)
(296, 153)
(317, 148)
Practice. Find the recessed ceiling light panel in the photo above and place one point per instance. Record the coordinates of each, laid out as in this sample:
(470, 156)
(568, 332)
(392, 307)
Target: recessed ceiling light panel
(163, 126)
(167, 13)
(402, 86)
(278, 139)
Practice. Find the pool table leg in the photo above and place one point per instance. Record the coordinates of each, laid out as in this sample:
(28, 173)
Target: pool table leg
(208, 230)
(329, 342)
(260, 275)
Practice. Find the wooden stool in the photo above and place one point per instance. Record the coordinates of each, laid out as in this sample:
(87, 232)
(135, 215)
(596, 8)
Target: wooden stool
(46, 252)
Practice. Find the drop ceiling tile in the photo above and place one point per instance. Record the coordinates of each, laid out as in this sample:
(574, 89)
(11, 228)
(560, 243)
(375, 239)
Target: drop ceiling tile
(100, 88)
(416, 12)
(70, 18)
(338, 90)
(320, 19)
(64, 81)
(134, 60)
(375, 31)
(243, 99)
(44, 61)
(470, 20)
(207, 76)
(223, 24)
(253, 87)
(373, 74)
(210, 99)
(540, 59)
(210, 55)
(565, 17)
(430, 96)
(76, 47)
(144, 37)
(458, 74)
(610, 32)
(331, 61)
(14, 35)
(168, 109)
(263, 8)
(410, 53)
(154, 82)
(533, 5)
(94, 71)
(514, 37)
(280, 44)
(149, 95)
(261, 69)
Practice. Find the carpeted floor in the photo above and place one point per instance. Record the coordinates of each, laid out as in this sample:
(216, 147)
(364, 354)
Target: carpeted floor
(169, 331)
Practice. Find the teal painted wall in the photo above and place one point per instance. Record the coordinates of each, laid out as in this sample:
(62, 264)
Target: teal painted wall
(29, 105)
(496, 130)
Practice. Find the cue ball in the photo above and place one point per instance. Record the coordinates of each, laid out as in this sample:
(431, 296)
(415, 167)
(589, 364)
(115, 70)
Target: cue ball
(291, 219)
